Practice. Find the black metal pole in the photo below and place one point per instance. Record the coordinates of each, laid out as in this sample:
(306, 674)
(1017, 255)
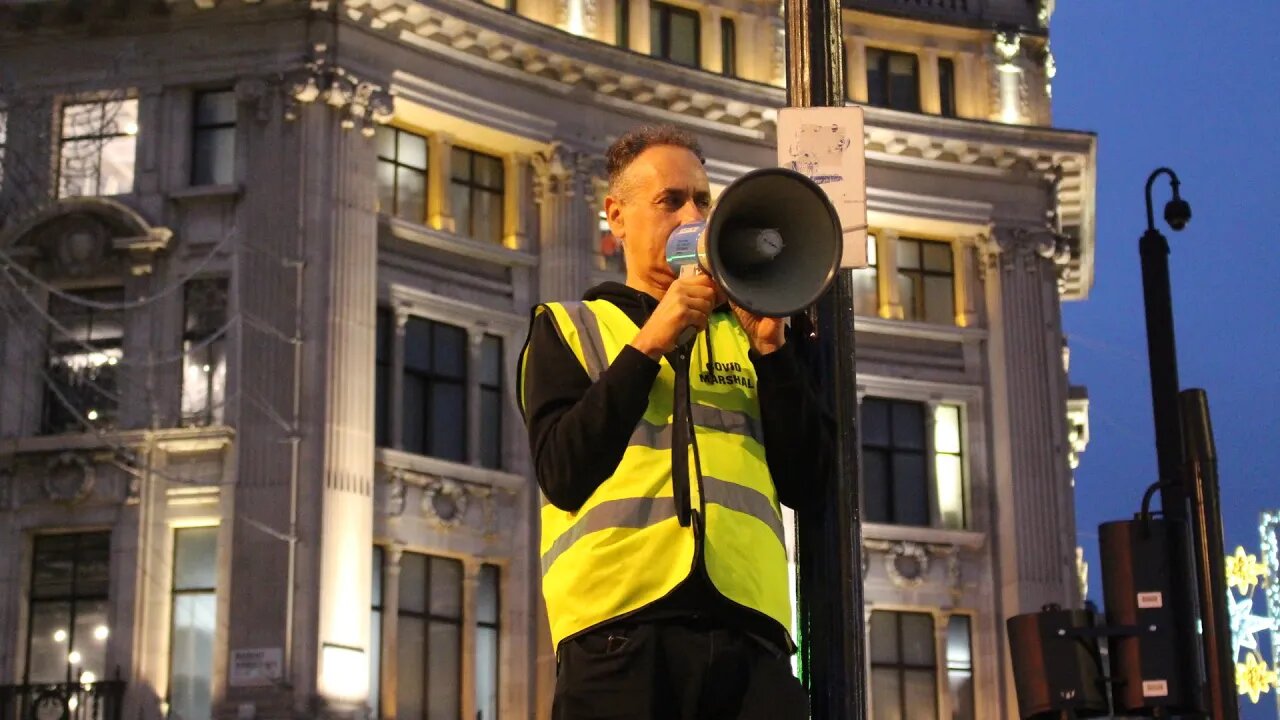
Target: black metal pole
(1202, 478)
(829, 537)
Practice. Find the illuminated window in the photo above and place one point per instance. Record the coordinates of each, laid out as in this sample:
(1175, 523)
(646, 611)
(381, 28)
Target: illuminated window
(67, 628)
(960, 668)
(728, 47)
(402, 174)
(82, 367)
(97, 148)
(904, 666)
(195, 605)
(429, 651)
(477, 188)
(674, 34)
(947, 87)
(204, 345)
(926, 281)
(899, 487)
(488, 626)
(893, 80)
(213, 139)
(490, 378)
(866, 286)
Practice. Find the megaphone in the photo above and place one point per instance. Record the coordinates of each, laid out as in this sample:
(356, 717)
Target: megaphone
(772, 242)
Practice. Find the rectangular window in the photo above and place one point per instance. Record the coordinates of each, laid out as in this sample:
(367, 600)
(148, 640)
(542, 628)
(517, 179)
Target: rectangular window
(947, 86)
(434, 392)
(213, 139)
(429, 654)
(893, 80)
(728, 48)
(866, 283)
(491, 401)
(926, 281)
(375, 636)
(477, 188)
(384, 352)
(402, 174)
(904, 666)
(674, 34)
(895, 477)
(195, 605)
(622, 24)
(82, 367)
(488, 613)
(204, 347)
(97, 148)
(67, 627)
(895, 467)
(960, 668)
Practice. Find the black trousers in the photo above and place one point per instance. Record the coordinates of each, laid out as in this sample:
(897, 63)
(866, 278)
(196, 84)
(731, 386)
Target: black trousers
(674, 671)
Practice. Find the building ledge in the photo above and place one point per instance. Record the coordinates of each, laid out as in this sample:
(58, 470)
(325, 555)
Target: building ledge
(180, 440)
(967, 539)
(206, 192)
(448, 242)
(415, 464)
(919, 330)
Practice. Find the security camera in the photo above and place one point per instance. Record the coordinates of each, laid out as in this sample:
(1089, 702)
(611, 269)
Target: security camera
(1177, 213)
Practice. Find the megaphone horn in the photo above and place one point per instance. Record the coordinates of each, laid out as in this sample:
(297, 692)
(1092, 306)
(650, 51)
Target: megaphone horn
(772, 242)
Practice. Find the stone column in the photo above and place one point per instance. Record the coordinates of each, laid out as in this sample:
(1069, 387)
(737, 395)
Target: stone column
(966, 275)
(1034, 522)
(931, 463)
(439, 175)
(565, 225)
(887, 275)
(930, 95)
(970, 94)
(470, 581)
(712, 58)
(515, 182)
(640, 26)
(475, 336)
(856, 67)
(941, 620)
(390, 637)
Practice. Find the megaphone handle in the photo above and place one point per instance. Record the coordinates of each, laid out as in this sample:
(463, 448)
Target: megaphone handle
(688, 334)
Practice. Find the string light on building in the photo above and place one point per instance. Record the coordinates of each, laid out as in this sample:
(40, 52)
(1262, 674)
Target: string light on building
(1245, 574)
(1254, 678)
(1244, 571)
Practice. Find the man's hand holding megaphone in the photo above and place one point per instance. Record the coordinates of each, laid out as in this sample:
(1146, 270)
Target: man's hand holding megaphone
(687, 304)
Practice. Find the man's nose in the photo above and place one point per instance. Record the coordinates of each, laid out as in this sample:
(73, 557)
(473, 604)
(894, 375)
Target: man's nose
(690, 212)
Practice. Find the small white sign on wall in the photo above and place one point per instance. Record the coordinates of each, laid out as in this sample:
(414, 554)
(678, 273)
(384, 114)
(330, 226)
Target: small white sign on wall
(252, 667)
(826, 145)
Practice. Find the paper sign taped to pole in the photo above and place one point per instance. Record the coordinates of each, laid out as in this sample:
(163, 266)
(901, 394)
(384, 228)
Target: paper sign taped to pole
(826, 145)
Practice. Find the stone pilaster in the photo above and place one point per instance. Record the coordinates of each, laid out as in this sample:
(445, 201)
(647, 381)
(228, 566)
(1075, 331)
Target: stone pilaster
(930, 95)
(964, 261)
(887, 275)
(639, 40)
(1035, 528)
(439, 175)
(470, 582)
(515, 234)
(565, 222)
(391, 555)
(941, 619)
(712, 58)
(855, 63)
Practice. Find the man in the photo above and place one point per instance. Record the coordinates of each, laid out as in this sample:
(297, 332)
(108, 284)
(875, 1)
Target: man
(662, 465)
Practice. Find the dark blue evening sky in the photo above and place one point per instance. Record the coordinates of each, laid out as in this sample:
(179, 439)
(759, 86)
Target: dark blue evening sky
(1192, 85)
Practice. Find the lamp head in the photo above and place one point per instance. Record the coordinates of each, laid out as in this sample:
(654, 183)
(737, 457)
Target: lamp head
(1177, 212)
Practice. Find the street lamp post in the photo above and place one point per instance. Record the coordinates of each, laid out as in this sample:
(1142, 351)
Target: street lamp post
(1185, 496)
(829, 536)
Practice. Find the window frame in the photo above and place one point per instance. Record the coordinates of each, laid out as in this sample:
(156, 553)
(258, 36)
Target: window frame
(431, 378)
(59, 345)
(496, 627)
(919, 311)
(900, 667)
(72, 599)
(198, 128)
(728, 47)
(175, 593)
(214, 410)
(100, 139)
(473, 187)
(384, 365)
(427, 617)
(665, 11)
(377, 616)
(397, 165)
(885, 57)
(497, 390)
(946, 87)
(971, 669)
(891, 450)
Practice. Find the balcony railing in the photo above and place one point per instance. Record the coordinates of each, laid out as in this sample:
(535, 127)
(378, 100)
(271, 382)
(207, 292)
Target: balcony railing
(63, 701)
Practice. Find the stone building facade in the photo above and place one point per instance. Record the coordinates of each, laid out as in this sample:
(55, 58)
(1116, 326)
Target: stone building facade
(266, 268)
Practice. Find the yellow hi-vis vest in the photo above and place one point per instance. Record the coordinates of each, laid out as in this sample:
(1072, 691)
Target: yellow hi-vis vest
(625, 548)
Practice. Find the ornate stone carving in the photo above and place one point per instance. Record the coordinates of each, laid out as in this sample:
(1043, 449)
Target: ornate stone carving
(555, 171)
(444, 502)
(907, 565)
(360, 102)
(395, 493)
(68, 478)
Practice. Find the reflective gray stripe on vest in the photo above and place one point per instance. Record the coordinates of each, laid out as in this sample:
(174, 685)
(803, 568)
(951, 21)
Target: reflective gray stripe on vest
(744, 500)
(625, 513)
(588, 327)
(658, 437)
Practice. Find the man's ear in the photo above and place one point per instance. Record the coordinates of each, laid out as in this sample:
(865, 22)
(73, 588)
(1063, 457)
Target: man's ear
(613, 215)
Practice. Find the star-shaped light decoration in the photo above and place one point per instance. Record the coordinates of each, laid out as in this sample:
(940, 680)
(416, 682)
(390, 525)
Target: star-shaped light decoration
(1244, 625)
(1253, 677)
(1244, 571)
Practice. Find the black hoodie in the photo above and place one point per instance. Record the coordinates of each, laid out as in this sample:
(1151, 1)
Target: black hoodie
(579, 430)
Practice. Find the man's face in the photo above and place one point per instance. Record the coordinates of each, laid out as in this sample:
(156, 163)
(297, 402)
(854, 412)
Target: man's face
(663, 188)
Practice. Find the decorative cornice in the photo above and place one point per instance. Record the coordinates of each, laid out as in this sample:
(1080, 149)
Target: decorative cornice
(320, 79)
